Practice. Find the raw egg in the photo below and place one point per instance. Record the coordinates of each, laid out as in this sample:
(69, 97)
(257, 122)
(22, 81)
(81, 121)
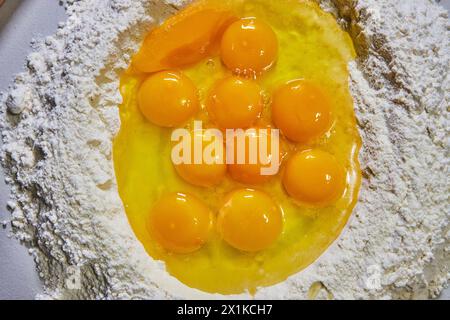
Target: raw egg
(243, 168)
(239, 65)
(235, 103)
(168, 99)
(301, 110)
(314, 178)
(180, 223)
(246, 210)
(206, 172)
(249, 47)
(185, 38)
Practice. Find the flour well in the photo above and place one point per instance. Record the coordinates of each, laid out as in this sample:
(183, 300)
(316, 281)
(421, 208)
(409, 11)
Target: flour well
(61, 115)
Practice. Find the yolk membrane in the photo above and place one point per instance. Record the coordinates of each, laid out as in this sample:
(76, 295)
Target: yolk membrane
(180, 223)
(250, 220)
(168, 99)
(247, 171)
(209, 172)
(314, 178)
(235, 103)
(301, 111)
(249, 47)
(183, 39)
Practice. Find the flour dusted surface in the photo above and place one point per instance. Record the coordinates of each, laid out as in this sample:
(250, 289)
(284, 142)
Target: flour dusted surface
(60, 117)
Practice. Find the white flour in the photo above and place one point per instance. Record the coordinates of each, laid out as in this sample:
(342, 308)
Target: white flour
(60, 117)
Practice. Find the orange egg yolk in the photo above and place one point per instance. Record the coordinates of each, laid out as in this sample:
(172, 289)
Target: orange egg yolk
(185, 38)
(180, 223)
(249, 47)
(250, 220)
(235, 103)
(301, 111)
(314, 178)
(248, 171)
(209, 172)
(168, 99)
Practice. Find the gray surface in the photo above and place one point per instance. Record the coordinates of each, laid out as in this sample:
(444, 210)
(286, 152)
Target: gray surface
(20, 22)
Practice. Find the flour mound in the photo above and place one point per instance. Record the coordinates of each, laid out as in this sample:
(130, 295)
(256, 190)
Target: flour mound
(61, 115)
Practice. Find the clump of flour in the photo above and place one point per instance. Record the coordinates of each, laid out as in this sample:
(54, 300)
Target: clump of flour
(61, 115)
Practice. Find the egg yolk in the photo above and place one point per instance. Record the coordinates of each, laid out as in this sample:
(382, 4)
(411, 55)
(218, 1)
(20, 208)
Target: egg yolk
(249, 47)
(301, 111)
(314, 178)
(250, 220)
(184, 39)
(209, 172)
(235, 103)
(249, 172)
(180, 223)
(168, 99)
